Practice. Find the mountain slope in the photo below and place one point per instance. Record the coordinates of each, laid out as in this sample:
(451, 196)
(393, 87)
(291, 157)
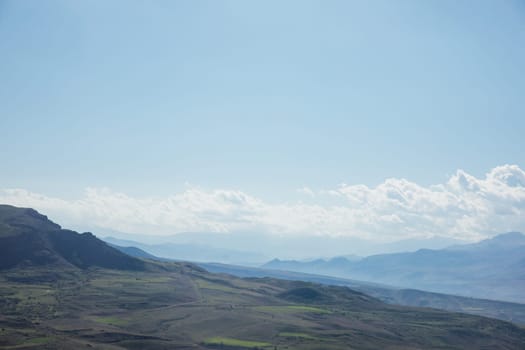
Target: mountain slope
(31, 239)
(506, 311)
(136, 252)
(188, 308)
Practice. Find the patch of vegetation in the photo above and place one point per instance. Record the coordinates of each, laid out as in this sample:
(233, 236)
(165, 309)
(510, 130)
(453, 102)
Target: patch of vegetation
(213, 286)
(296, 335)
(39, 340)
(304, 293)
(114, 321)
(292, 309)
(236, 343)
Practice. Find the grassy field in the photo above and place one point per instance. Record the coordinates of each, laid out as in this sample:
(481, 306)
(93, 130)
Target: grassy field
(185, 307)
(296, 335)
(291, 309)
(221, 341)
(115, 321)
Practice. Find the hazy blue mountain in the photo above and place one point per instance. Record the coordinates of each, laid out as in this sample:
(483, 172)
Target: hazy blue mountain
(332, 267)
(504, 241)
(136, 252)
(256, 248)
(492, 268)
(193, 252)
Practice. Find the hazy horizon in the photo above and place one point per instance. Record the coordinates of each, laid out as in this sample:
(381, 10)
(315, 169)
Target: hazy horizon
(463, 208)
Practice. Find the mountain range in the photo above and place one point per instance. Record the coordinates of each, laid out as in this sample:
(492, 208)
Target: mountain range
(493, 268)
(254, 248)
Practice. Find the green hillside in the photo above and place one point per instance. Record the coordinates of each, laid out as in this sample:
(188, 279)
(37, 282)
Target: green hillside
(190, 308)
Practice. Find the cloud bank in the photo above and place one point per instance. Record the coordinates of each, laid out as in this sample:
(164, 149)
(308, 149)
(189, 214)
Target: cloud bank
(464, 207)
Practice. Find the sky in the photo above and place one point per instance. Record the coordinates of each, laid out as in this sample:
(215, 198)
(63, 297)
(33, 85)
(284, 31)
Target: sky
(379, 119)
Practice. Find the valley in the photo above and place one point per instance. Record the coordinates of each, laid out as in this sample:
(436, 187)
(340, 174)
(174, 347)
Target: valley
(186, 307)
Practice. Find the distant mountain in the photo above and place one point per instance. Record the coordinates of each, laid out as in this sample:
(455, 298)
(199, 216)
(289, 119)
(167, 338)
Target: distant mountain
(493, 268)
(192, 252)
(504, 241)
(255, 248)
(28, 238)
(136, 252)
(332, 267)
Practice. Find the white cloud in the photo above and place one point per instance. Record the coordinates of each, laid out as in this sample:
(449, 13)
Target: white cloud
(463, 207)
(307, 191)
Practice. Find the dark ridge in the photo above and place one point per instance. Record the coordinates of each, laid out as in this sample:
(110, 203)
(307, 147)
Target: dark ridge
(85, 250)
(23, 219)
(315, 293)
(303, 294)
(26, 248)
(28, 238)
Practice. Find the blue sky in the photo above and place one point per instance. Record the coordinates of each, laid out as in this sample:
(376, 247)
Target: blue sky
(149, 97)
